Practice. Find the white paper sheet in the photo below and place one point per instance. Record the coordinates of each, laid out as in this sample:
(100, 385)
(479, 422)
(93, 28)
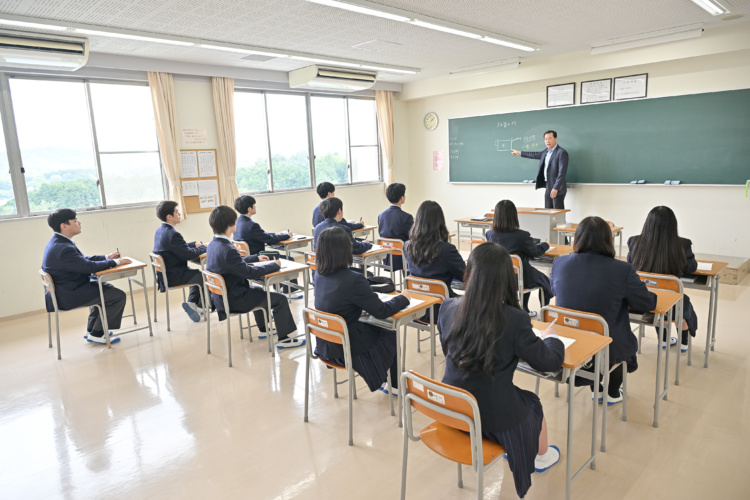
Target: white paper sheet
(565, 340)
(705, 266)
(207, 163)
(189, 188)
(189, 161)
(208, 187)
(375, 247)
(194, 137)
(208, 200)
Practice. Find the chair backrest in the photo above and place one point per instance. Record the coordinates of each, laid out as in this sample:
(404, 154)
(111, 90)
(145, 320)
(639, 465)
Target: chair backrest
(215, 284)
(429, 287)
(444, 403)
(49, 285)
(477, 241)
(661, 281)
(157, 262)
(310, 260)
(578, 320)
(242, 247)
(394, 244)
(330, 327)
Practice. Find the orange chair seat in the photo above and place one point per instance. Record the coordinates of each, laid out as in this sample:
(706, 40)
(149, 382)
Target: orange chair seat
(455, 445)
(333, 365)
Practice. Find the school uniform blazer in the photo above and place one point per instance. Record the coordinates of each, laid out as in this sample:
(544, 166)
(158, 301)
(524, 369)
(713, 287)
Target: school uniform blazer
(171, 246)
(358, 247)
(395, 223)
(70, 271)
(347, 293)
(318, 217)
(448, 266)
(501, 405)
(558, 169)
(520, 243)
(222, 258)
(251, 233)
(599, 284)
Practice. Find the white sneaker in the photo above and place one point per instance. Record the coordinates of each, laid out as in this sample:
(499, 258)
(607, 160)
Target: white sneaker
(544, 462)
(290, 343)
(102, 339)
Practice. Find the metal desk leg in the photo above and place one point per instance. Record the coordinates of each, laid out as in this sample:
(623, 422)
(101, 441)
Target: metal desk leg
(270, 322)
(716, 306)
(666, 358)
(207, 296)
(399, 370)
(145, 295)
(132, 302)
(658, 371)
(103, 314)
(709, 333)
(432, 342)
(569, 447)
(605, 397)
(620, 244)
(597, 372)
(305, 280)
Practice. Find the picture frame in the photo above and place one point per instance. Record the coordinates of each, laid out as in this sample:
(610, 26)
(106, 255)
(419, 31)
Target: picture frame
(561, 95)
(594, 91)
(631, 87)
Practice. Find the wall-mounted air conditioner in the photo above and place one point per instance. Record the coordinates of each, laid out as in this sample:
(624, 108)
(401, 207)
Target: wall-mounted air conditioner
(20, 49)
(318, 78)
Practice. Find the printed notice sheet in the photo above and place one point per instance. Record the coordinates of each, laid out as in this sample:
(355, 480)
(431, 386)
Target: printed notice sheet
(189, 164)
(189, 188)
(207, 163)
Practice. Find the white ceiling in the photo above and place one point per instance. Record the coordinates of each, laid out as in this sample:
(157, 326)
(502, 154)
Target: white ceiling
(296, 25)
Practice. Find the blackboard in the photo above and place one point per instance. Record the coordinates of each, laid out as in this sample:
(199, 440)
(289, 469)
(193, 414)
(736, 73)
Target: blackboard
(696, 139)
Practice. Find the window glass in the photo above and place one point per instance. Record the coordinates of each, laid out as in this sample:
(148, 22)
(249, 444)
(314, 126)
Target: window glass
(7, 199)
(287, 123)
(329, 139)
(363, 126)
(365, 164)
(54, 134)
(251, 141)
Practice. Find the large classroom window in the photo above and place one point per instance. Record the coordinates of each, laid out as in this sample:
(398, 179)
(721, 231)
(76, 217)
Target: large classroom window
(83, 145)
(7, 197)
(273, 134)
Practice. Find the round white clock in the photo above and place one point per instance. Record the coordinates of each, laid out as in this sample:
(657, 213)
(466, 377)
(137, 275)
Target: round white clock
(431, 121)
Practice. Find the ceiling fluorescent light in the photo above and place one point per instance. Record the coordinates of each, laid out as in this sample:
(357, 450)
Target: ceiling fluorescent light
(653, 38)
(326, 61)
(389, 70)
(444, 29)
(240, 50)
(361, 9)
(710, 7)
(481, 69)
(506, 43)
(24, 24)
(128, 36)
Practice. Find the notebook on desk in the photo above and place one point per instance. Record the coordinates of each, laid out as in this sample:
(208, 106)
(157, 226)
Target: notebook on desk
(481, 219)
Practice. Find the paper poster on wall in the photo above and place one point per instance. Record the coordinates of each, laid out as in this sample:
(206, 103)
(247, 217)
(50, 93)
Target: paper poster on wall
(208, 200)
(438, 160)
(207, 163)
(208, 187)
(189, 162)
(189, 188)
(194, 137)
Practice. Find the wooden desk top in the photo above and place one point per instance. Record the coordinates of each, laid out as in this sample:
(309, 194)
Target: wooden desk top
(573, 226)
(585, 346)
(427, 302)
(468, 220)
(297, 238)
(716, 268)
(559, 250)
(289, 266)
(532, 210)
(665, 300)
(366, 228)
(370, 253)
(135, 264)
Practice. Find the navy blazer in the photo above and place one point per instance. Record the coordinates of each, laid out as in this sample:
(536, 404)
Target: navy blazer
(520, 242)
(358, 247)
(690, 267)
(70, 271)
(222, 258)
(395, 223)
(501, 405)
(347, 293)
(169, 243)
(251, 233)
(600, 284)
(318, 217)
(448, 266)
(558, 169)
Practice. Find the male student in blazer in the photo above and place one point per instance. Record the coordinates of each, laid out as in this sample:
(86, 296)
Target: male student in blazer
(553, 168)
(328, 190)
(71, 272)
(333, 209)
(222, 258)
(171, 246)
(394, 222)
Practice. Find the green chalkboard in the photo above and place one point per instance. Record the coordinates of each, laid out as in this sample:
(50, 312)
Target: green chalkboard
(696, 139)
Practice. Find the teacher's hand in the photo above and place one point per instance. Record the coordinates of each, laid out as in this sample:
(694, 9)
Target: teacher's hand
(553, 193)
(515, 152)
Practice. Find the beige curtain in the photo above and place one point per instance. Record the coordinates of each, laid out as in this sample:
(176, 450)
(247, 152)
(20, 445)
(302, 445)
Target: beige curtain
(223, 92)
(162, 96)
(384, 104)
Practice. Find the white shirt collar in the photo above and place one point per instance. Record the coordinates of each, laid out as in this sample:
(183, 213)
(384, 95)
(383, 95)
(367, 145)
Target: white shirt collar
(223, 237)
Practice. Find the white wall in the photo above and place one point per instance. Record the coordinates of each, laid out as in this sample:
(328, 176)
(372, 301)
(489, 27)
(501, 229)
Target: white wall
(713, 217)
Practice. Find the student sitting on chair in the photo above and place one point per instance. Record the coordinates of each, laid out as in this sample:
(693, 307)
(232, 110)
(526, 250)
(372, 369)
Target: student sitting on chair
(394, 222)
(171, 246)
(328, 190)
(505, 231)
(333, 209)
(250, 231)
(71, 272)
(592, 280)
(660, 250)
(484, 334)
(340, 290)
(222, 258)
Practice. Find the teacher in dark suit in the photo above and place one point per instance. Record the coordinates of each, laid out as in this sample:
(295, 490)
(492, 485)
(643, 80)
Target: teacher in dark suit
(553, 167)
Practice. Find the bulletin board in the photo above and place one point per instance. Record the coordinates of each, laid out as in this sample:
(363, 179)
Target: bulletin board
(200, 180)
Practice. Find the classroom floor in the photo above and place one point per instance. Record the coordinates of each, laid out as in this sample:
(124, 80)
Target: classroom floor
(156, 417)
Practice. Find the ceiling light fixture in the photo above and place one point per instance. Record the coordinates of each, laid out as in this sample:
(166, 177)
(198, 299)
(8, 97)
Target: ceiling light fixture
(128, 36)
(240, 50)
(711, 7)
(480, 69)
(374, 9)
(24, 24)
(642, 40)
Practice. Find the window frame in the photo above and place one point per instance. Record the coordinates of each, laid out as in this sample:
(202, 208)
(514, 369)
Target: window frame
(15, 160)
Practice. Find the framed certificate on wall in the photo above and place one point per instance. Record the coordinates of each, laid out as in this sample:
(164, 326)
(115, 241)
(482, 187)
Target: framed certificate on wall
(596, 91)
(631, 87)
(561, 95)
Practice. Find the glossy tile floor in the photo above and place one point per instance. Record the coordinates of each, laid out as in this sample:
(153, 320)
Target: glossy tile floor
(156, 417)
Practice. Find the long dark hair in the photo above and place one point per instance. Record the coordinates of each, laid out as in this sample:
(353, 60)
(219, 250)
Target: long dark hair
(506, 217)
(334, 251)
(658, 249)
(488, 285)
(427, 233)
(594, 235)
